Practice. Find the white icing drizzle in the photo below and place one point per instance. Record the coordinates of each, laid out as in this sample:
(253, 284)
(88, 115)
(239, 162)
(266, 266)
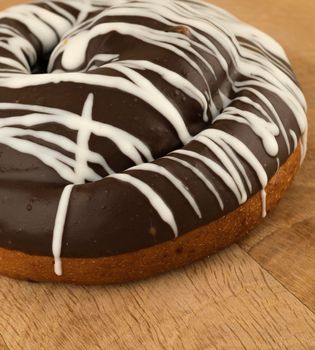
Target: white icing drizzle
(267, 131)
(256, 57)
(264, 203)
(171, 77)
(155, 200)
(215, 168)
(174, 180)
(227, 163)
(59, 228)
(294, 138)
(303, 144)
(47, 23)
(201, 176)
(129, 145)
(278, 164)
(224, 139)
(138, 86)
(81, 168)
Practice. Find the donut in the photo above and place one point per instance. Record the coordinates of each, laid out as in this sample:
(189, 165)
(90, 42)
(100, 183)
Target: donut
(137, 136)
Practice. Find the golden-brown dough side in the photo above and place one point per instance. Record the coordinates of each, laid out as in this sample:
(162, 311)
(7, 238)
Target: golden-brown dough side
(160, 258)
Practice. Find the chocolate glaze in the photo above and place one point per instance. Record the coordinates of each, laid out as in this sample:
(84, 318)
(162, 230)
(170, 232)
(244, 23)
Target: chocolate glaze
(246, 74)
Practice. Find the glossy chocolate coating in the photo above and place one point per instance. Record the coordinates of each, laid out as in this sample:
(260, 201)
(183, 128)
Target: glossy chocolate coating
(108, 216)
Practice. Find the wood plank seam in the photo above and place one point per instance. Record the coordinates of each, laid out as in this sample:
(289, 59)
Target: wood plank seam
(295, 239)
(281, 227)
(275, 278)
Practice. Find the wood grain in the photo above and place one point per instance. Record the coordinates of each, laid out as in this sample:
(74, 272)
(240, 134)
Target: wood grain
(225, 302)
(259, 294)
(289, 255)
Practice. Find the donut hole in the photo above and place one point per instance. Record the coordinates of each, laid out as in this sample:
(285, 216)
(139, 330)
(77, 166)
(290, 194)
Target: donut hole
(41, 65)
(169, 115)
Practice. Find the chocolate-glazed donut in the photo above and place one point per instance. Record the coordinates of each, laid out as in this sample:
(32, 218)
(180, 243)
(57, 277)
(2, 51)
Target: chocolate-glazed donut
(129, 128)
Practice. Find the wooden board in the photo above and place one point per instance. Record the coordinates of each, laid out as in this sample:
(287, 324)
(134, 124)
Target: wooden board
(259, 294)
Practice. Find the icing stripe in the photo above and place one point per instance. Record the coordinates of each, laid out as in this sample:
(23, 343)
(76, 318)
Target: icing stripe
(81, 168)
(264, 203)
(155, 200)
(174, 180)
(201, 176)
(59, 228)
